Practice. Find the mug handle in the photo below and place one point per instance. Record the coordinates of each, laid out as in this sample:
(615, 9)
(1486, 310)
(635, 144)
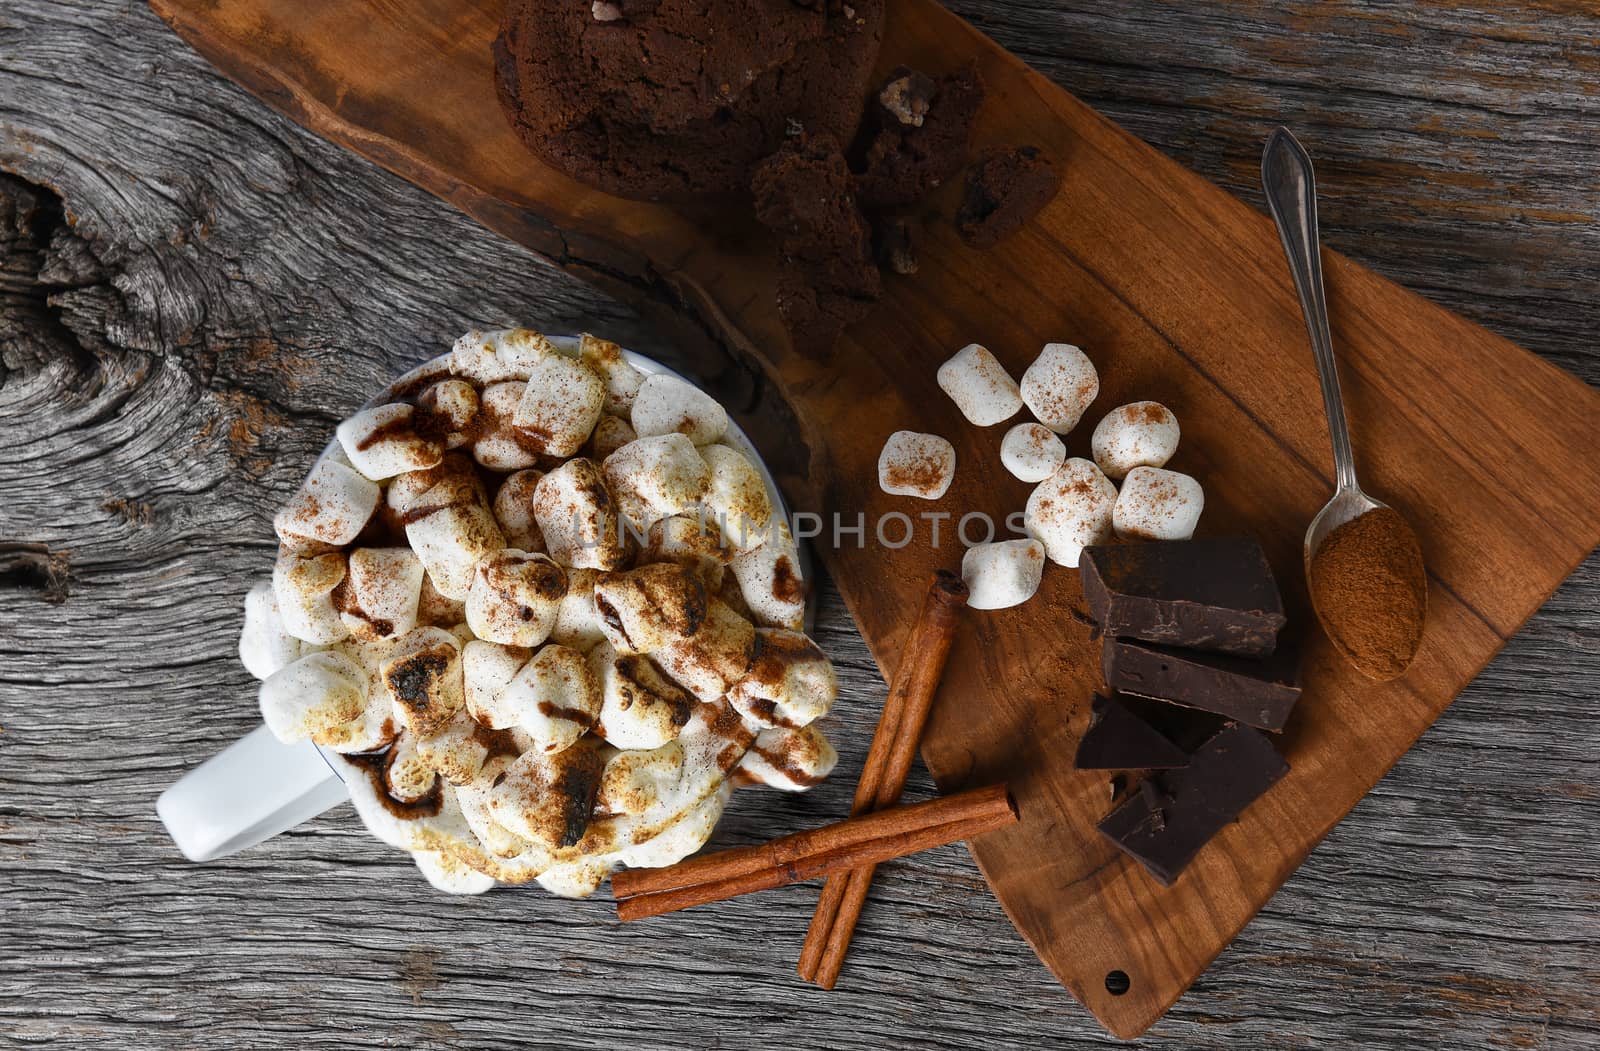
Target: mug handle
(252, 790)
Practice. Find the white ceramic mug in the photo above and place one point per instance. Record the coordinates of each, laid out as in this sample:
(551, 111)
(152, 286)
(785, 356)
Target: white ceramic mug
(258, 786)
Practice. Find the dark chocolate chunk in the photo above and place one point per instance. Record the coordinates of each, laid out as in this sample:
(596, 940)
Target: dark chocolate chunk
(1006, 187)
(923, 132)
(1118, 739)
(1259, 693)
(1214, 594)
(1164, 826)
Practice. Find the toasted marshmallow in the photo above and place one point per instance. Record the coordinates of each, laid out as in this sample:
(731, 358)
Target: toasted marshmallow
(789, 760)
(668, 405)
(1059, 386)
(498, 443)
(790, 682)
(692, 542)
(1032, 452)
(769, 582)
(578, 517)
(610, 434)
(450, 874)
(304, 589)
(474, 800)
(436, 611)
(1002, 574)
(515, 597)
(486, 670)
(384, 441)
(448, 524)
(554, 698)
(635, 781)
(457, 749)
(513, 510)
(1157, 505)
(498, 356)
(577, 621)
(1071, 510)
(423, 678)
(560, 406)
(736, 497)
(714, 657)
(406, 775)
(980, 386)
(657, 476)
(622, 381)
(639, 707)
(265, 644)
(448, 408)
(548, 798)
(380, 594)
(1140, 434)
(315, 694)
(916, 464)
(644, 609)
(331, 506)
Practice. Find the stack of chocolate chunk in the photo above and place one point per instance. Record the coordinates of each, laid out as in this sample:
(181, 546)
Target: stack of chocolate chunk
(1195, 675)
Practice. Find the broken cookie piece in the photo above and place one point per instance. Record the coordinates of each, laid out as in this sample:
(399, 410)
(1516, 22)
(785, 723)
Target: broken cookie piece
(1006, 187)
(923, 136)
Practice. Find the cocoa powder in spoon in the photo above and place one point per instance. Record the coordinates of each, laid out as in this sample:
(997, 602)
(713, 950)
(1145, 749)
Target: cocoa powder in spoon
(1371, 592)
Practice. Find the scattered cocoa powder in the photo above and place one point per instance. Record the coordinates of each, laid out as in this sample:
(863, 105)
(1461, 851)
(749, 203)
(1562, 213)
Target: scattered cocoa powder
(1371, 592)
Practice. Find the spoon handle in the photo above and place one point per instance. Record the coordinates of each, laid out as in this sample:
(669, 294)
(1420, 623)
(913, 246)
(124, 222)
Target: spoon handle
(1292, 198)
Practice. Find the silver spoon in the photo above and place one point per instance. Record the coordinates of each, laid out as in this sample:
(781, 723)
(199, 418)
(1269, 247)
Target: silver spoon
(1292, 198)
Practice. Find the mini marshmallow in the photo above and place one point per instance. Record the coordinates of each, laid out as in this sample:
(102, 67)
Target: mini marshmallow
(644, 609)
(1032, 452)
(714, 657)
(668, 405)
(655, 477)
(789, 760)
(1141, 434)
(692, 542)
(513, 510)
(315, 694)
(436, 611)
(457, 749)
(578, 516)
(486, 670)
(448, 408)
(381, 592)
(449, 524)
(423, 678)
(303, 588)
(406, 775)
(1158, 505)
(500, 444)
(1059, 386)
(610, 434)
(383, 441)
(769, 581)
(736, 497)
(265, 645)
(554, 698)
(980, 386)
(331, 506)
(449, 874)
(577, 621)
(514, 597)
(474, 800)
(547, 798)
(560, 406)
(790, 682)
(498, 356)
(1071, 510)
(635, 781)
(1002, 574)
(639, 706)
(622, 381)
(915, 464)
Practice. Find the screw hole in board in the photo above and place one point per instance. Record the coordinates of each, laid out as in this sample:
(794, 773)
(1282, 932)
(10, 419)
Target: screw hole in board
(1117, 983)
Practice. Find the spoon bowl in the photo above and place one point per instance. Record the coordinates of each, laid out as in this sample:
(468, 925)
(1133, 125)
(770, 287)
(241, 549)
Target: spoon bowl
(1346, 506)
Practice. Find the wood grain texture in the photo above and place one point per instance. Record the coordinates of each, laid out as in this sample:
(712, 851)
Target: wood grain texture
(213, 242)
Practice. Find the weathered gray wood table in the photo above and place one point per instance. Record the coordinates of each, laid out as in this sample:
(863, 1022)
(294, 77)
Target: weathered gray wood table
(192, 292)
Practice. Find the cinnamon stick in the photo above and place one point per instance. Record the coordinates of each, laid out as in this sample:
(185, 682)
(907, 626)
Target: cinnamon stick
(894, 747)
(840, 847)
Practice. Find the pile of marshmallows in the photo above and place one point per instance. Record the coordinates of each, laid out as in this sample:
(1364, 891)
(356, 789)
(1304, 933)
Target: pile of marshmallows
(545, 615)
(1077, 503)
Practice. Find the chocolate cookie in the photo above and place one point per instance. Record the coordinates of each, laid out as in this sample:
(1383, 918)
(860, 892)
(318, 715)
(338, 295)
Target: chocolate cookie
(674, 99)
(923, 134)
(1007, 186)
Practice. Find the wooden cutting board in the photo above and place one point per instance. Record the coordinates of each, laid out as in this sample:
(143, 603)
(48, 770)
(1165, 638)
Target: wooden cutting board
(1177, 291)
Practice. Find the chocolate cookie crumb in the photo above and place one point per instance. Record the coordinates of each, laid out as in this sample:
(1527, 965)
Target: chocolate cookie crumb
(893, 246)
(904, 160)
(1006, 187)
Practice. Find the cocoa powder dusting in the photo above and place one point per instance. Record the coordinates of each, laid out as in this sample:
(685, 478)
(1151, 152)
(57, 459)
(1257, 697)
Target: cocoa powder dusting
(1371, 592)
